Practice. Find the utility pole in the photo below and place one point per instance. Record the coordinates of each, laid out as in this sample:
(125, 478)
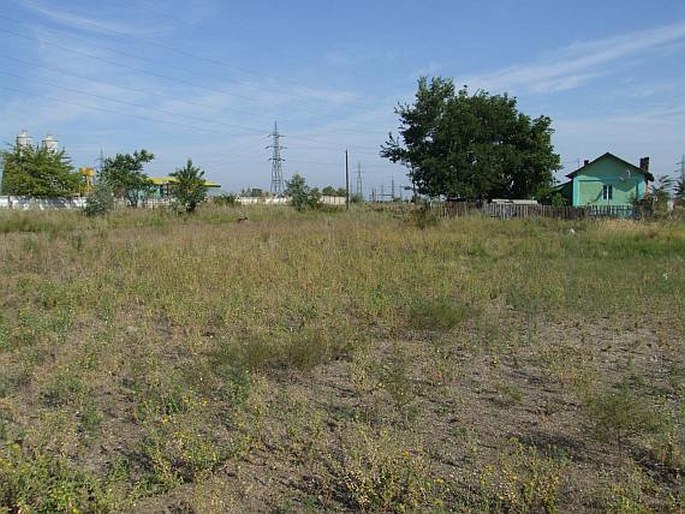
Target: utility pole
(276, 162)
(392, 188)
(682, 168)
(360, 191)
(347, 180)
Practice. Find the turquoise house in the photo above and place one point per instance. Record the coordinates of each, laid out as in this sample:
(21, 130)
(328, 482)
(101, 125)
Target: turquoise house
(608, 180)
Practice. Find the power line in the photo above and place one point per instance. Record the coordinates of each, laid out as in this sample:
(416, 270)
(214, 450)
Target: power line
(247, 129)
(151, 42)
(163, 76)
(194, 56)
(322, 144)
(137, 56)
(157, 120)
(127, 66)
(125, 102)
(71, 74)
(102, 109)
(155, 74)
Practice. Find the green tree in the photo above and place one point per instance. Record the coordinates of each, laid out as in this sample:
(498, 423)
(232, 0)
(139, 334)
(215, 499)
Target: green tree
(190, 189)
(301, 195)
(124, 175)
(332, 191)
(254, 192)
(472, 146)
(38, 171)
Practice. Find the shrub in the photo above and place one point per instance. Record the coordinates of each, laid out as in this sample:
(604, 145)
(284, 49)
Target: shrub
(382, 472)
(302, 196)
(190, 189)
(437, 313)
(226, 199)
(35, 482)
(523, 481)
(620, 413)
(100, 200)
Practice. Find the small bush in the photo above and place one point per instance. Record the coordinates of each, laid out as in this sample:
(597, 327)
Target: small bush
(100, 200)
(64, 388)
(180, 446)
(625, 494)
(226, 199)
(620, 413)
(522, 481)
(426, 217)
(382, 472)
(34, 482)
(668, 444)
(440, 314)
(394, 375)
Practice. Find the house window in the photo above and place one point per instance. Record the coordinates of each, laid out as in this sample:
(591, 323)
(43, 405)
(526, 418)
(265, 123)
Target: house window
(607, 192)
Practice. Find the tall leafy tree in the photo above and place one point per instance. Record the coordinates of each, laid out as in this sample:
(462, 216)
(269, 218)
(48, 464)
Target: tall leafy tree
(190, 188)
(301, 195)
(38, 171)
(472, 146)
(124, 174)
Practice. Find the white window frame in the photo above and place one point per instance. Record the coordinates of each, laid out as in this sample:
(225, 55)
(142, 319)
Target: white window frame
(607, 192)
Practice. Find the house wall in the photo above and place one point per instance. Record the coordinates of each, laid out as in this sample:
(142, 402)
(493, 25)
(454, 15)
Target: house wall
(587, 184)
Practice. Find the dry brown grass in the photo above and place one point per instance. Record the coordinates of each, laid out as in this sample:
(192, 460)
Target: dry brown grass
(339, 361)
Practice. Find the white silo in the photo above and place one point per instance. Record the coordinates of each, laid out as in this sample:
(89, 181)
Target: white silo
(24, 140)
(50, 143)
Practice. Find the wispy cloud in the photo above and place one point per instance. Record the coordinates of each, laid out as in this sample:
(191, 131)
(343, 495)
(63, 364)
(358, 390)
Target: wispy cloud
(655, 132)
(96, 26)
(578, 64)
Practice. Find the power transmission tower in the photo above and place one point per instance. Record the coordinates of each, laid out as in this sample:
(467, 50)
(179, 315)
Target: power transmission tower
(276, 162)
(360, 190)
(682, 168)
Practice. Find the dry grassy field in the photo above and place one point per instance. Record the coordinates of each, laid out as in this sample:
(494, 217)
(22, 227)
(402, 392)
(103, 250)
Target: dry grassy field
(369, 360)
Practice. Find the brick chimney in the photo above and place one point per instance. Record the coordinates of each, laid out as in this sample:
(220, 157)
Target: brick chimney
(586, 162)
(644, 164)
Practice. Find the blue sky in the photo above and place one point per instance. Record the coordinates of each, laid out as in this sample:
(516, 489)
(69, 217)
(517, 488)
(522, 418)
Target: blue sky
(206, 79)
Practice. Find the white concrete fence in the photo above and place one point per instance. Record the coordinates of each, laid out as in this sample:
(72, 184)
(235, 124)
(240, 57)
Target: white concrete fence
(272, 200)
(42, 204)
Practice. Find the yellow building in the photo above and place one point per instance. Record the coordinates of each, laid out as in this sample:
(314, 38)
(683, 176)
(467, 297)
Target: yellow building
(88, 175)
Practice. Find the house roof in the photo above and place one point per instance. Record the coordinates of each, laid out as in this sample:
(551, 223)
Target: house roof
(609, 155)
